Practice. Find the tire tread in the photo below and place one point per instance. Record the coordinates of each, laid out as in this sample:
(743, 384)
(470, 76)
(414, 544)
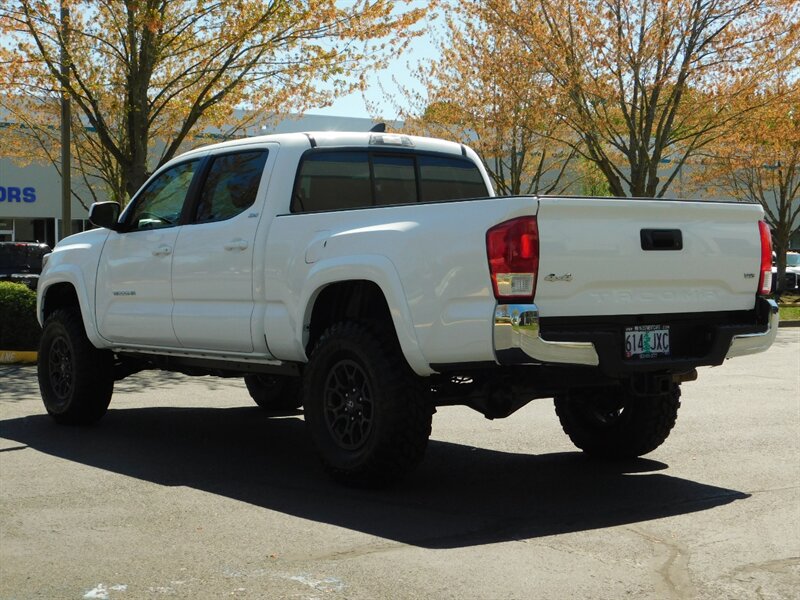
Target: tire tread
(408, 413)
(94, 372)
(645, 430)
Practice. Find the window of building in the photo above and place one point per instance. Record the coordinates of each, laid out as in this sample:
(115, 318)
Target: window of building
(230, 186)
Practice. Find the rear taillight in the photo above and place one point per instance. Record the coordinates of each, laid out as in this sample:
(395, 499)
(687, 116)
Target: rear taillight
(513, 251)
(765, 280)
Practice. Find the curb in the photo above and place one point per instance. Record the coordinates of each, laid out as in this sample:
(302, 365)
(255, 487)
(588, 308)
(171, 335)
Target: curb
(9, 357)
(789, 324)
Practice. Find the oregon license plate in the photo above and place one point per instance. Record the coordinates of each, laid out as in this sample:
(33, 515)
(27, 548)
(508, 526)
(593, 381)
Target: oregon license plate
(647, 341)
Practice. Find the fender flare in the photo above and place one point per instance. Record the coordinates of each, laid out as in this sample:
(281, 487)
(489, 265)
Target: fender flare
(70, 274)
(375, 269)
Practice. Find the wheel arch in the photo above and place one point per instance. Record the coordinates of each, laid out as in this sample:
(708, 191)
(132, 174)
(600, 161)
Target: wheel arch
(374, 293)
(64, 292)
(353, 299)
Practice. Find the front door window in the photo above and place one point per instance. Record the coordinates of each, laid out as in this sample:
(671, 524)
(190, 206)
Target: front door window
(160, 203)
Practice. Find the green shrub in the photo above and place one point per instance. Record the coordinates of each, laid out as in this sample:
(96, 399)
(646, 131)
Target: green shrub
(19, 329)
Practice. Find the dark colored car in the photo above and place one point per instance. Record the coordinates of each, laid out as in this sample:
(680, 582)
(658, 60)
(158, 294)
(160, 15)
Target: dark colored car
(21, 262)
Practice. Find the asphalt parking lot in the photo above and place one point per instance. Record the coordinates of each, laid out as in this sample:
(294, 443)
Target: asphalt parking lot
(187, 490)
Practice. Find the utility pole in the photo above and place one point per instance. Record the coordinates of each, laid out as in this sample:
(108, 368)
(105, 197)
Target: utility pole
(66, 120)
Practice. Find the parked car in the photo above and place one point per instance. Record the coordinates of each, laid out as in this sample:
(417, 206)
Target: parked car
(21, 262)
(791, 279)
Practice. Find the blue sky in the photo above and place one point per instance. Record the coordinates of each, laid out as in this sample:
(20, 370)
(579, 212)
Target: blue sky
(421, 49)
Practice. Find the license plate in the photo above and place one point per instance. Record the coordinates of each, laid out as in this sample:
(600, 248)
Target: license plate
(647, 341)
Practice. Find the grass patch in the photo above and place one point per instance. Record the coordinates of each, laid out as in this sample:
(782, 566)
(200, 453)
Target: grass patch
(789, 306)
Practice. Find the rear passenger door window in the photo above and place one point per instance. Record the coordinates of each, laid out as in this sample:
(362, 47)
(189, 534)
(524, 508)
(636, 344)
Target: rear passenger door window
(230, 186)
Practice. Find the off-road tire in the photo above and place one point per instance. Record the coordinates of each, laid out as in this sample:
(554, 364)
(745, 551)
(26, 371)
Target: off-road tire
(367, 412)
(274, 392)
(615, 423)
(76, 379)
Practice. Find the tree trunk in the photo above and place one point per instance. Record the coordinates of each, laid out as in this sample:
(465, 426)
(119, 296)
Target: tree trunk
(781, 246)
(137, 175)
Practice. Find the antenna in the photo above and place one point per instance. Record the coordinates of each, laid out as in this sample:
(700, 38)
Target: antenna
(378, 128)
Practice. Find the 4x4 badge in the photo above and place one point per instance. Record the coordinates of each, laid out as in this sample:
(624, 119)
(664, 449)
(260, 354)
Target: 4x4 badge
(554, 277)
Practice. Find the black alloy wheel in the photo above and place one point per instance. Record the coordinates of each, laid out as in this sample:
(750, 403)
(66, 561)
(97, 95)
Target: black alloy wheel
(76, 379)
(368, 413)
(61, 368)
(348, 405)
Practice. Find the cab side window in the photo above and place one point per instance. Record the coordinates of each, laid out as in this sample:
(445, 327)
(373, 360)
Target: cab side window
(444, 178)
(395, 180)
(230, 186)
(159, 205)
(332, 180)
(347, 179)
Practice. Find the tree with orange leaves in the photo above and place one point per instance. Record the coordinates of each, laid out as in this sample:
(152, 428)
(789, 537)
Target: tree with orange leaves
(476, 92)
(144, 76)
(646, 83)
(759, 161)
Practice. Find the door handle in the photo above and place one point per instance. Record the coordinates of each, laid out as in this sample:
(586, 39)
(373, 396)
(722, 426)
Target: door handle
(661, 239)
(236, 245)
(162, 251)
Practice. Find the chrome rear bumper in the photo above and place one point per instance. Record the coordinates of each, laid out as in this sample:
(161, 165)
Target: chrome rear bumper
(517, 340)
(753, 343)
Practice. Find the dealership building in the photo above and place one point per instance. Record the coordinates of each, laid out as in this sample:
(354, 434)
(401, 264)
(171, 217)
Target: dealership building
(30, 195)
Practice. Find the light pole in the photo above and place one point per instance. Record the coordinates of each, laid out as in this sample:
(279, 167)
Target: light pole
(66, 120)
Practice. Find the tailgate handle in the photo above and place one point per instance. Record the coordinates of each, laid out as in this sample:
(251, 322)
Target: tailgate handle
(662, 239)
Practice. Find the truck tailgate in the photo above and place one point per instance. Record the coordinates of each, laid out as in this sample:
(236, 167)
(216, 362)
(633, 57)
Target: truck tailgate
(628, 256)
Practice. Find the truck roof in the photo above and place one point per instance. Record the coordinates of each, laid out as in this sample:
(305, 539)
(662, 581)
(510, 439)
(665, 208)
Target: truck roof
(339, 139)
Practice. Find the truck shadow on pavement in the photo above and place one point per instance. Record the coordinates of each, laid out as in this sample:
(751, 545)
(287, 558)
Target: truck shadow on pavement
(19, 382)
(461, 496)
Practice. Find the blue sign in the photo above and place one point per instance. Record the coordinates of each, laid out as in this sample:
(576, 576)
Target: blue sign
(16, 194)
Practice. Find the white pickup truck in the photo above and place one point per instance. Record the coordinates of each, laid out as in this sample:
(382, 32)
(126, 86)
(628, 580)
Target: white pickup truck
(372, 277)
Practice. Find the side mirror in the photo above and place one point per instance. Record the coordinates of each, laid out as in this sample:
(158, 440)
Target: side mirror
(104, 214)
